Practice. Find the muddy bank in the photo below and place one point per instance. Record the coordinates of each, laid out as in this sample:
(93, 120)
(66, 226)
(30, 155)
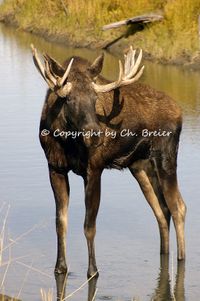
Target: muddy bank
(185, 60)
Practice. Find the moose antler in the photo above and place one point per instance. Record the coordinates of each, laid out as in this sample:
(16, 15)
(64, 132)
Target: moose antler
(55, 82)
(127, 76)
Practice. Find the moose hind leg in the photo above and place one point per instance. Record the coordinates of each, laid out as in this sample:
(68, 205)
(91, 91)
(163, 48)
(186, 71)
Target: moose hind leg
(150, 169)
(92, 201)
(151, 197)
(60, 186)
(175, 203)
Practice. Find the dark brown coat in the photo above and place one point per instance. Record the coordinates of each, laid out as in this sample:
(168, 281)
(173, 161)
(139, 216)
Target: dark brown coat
(151, 157)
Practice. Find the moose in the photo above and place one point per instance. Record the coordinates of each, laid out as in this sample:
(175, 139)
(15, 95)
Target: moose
(147, 124)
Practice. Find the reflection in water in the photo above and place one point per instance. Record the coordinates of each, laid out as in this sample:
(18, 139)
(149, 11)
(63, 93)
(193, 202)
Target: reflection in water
(165, 290)
(61, 283)
(179, 291)
(92, 288)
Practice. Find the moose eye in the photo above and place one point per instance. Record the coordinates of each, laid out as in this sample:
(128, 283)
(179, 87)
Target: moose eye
(69, 99)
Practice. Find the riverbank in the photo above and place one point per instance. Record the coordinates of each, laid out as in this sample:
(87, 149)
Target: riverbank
(175, 40)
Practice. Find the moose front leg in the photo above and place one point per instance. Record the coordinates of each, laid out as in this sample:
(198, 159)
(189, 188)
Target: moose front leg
(92, 201)
(60, 186)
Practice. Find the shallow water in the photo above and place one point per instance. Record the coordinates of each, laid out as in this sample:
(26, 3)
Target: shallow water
(127, 241)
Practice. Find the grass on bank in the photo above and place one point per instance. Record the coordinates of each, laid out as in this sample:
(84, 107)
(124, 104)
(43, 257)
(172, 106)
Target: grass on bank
(7, 261)
(80, 22)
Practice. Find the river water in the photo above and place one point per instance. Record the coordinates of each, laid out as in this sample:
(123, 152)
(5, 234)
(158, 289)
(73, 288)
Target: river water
(127, 241)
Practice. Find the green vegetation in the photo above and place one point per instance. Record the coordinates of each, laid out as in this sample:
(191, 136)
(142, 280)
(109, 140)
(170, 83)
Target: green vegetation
(79, 22)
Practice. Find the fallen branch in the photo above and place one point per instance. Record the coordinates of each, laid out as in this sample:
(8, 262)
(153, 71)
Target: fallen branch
(143, 19)
(106, 44)
(139, 21)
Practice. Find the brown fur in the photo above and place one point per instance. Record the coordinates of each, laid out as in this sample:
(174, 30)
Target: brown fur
(151, 160)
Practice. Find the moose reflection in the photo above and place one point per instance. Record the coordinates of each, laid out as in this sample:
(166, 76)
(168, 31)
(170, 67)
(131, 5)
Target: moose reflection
(165, 289)
(79, 99)
(61, 285)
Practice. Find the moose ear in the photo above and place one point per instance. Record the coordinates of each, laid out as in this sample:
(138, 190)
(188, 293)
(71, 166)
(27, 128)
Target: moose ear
(96, 66)
(54, 65)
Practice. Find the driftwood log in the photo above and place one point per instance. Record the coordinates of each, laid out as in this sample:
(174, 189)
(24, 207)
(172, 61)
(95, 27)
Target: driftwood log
(143, 19)
(139, 21)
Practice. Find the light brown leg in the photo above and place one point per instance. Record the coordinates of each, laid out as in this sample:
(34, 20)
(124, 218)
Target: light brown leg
(92, 201)
(60, 186)
(153, 201)
(151, 172)
(166, 166)
(176, 206)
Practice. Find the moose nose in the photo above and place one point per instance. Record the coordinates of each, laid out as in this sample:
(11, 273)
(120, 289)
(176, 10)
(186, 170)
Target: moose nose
(92, 135)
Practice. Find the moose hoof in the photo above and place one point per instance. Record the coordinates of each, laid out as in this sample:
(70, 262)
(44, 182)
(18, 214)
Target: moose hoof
(60, 269)
(92, 273)
(181, 258)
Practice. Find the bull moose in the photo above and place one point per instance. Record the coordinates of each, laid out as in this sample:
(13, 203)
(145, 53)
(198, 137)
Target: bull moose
(147, 125)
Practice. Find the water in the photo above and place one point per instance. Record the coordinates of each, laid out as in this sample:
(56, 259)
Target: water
(127, 240)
